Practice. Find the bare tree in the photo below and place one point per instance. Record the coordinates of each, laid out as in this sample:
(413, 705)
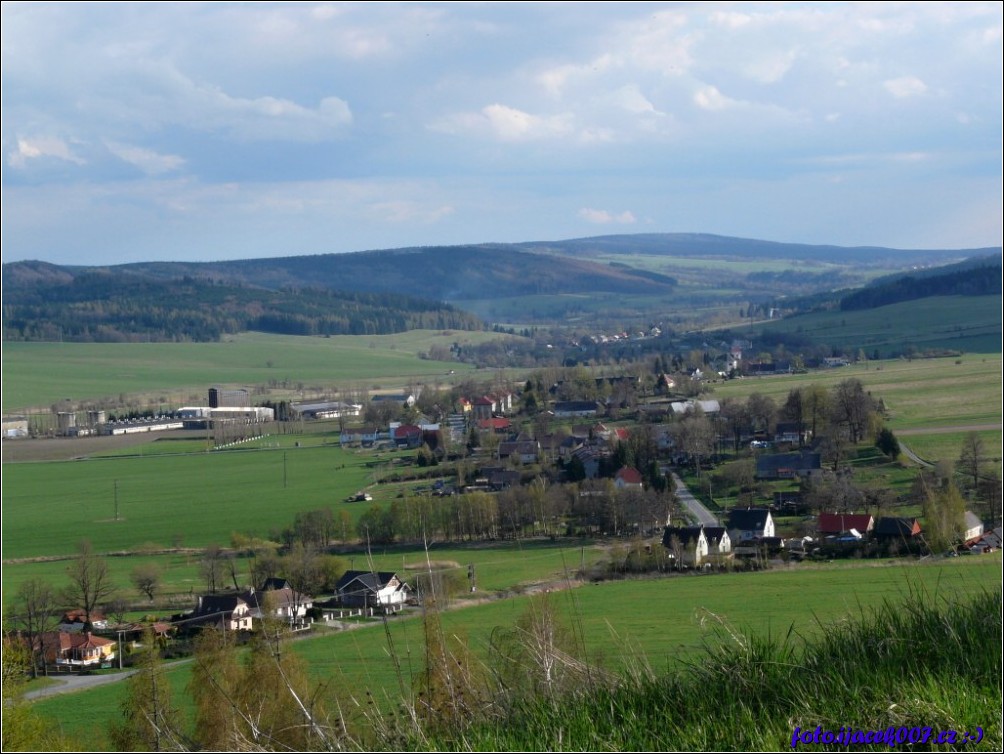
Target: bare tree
(971, 458)
(146, 579)
(34, 613)
(90, 582)
(211, 567)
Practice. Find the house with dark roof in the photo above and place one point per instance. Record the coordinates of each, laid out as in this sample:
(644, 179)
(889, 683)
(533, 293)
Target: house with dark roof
(525, 451)
(566, 409)
(789, 432)
(590, 459)
(750, 523)
(278, 599)
(990, 541)
(719, 542)
(895, 528)
(500, 478)
(788, 465)
(227, 611)
(686, 544)
(372, 589)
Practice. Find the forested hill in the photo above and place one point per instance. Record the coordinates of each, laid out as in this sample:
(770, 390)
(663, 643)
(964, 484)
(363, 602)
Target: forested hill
(44, 302)
(982, 279)
(727, 247)
(446, 273)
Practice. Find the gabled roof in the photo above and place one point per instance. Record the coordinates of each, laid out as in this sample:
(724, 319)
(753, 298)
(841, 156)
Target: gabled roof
(519, 447)
(629, 475)
(715, 534)
(684, 534)
(838, 523)
(219, 603)
(79, 615)
(776, 462)
(279, 598)
(748, 519)
(275, 583)
(889, 526)
(972, 520)
(365, 580)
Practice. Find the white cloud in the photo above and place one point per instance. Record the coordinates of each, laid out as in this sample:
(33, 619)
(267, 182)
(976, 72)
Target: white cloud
(603, 217)
(731, 20)
(264, 117)
(631, 99)
(147, 160)
(659, 43)
(505, 124)
(709, 98)
(555, 79)
(40, 147)
(905, 86)
(772, 67)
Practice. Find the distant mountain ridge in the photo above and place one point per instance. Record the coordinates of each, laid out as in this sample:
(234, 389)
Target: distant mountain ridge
(394, 289)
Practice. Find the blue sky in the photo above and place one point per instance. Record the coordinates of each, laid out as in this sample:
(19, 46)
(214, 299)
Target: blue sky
(201, 131)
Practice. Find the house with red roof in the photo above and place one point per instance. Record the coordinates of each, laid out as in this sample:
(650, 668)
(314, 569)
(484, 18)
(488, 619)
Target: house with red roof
(628, 478)
(835, 524)
(76, 649)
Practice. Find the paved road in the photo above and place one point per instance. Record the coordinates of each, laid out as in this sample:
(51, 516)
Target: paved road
(68, 683)
(691, 503)
(914, 457)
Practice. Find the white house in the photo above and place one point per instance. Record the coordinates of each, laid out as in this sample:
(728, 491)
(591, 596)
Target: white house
(372, 589)
(750, 523)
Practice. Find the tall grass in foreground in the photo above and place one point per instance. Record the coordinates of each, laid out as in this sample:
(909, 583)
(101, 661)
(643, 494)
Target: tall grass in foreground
(923, 662)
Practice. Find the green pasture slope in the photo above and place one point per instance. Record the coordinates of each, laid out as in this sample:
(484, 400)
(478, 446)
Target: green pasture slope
(963, 323)
(37, 374)
(654, 623)
(918, 393)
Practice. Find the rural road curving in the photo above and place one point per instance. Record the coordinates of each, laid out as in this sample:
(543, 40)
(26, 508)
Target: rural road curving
(67, 683)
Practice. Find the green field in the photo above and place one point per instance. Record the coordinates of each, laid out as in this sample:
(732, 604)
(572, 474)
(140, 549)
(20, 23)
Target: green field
(655, 623)
(201, 498)
(38, 374)
(971, 324)
(922, 393)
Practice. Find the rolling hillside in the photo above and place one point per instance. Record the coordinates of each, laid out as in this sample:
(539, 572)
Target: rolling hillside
(615, 277)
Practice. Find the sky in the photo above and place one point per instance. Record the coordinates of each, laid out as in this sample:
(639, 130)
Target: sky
(209, 131)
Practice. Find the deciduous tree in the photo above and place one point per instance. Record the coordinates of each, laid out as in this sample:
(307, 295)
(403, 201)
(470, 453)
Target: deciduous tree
(34, 613)
(146, 578)
(90, 582)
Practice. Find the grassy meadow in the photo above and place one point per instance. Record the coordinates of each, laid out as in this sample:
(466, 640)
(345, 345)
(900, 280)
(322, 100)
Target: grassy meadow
(971, 324)
(918, 393)
(646, 623)
(38, 374)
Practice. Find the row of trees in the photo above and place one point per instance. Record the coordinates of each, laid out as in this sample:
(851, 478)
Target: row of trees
(536, 509)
